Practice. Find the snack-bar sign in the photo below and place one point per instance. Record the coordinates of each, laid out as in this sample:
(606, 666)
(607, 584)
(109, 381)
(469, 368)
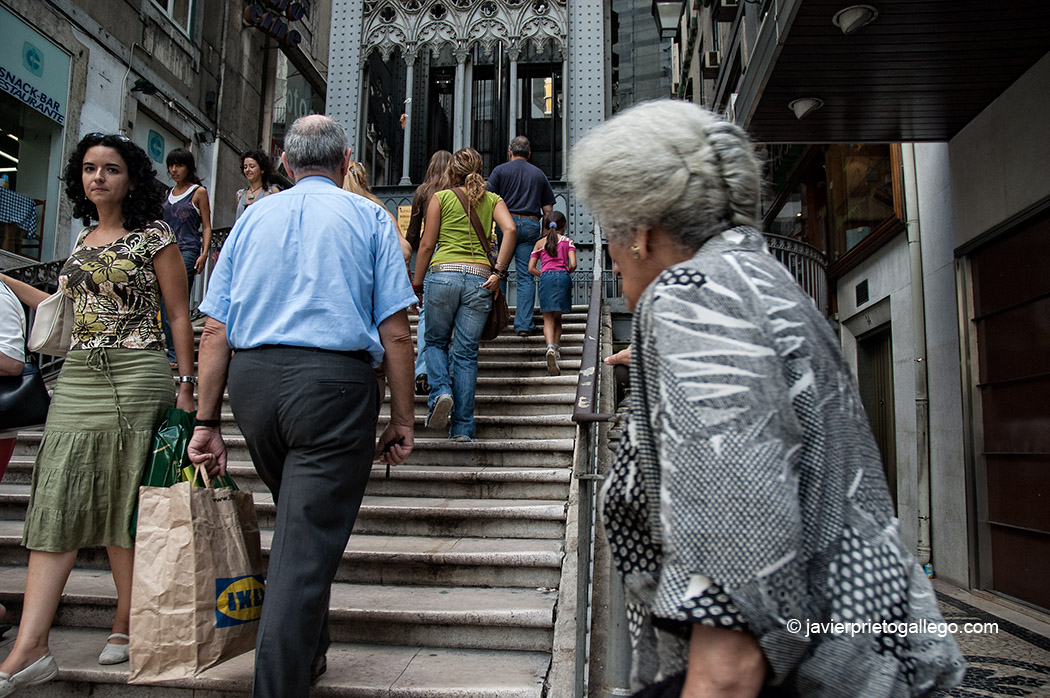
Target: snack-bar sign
(272, 17)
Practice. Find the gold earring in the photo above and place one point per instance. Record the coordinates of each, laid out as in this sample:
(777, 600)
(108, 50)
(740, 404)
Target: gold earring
(636, 252)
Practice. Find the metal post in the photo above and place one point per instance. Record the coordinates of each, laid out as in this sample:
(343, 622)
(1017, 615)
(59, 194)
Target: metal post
(563, 113)
(513, 115)
(406, 157)
(618, 657)
(458, 118)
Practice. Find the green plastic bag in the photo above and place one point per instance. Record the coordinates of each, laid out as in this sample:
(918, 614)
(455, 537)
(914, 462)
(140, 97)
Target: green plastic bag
(169, 462)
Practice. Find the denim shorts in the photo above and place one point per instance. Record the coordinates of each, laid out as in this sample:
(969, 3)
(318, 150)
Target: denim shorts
(555, 292)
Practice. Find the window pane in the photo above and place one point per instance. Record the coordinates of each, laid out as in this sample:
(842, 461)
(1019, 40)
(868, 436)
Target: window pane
(180, 12)
(860, 191)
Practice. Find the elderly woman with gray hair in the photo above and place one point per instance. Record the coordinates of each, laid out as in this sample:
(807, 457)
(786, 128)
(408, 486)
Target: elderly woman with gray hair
(747, 502)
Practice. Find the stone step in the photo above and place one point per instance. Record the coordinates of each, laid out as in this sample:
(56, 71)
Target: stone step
(554, 453)
(354, 671)
(404, 516)
(501, 426)
(395, 560)
(440, 616)
(489, 426)
(434, 481)
(520, 405)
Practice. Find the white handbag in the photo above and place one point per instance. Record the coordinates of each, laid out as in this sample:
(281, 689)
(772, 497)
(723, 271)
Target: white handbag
(52, 330)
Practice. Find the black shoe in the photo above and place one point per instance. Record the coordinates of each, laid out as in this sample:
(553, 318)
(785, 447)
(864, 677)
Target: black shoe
(318, 667)
(523, 333)
(422, 384)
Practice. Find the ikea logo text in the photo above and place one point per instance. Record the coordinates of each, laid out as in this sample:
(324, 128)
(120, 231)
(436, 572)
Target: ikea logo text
(238, 600)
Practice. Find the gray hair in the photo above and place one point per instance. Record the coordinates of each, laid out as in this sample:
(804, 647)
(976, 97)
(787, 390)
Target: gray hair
(520, 146)
(667, 164)
(315, 142)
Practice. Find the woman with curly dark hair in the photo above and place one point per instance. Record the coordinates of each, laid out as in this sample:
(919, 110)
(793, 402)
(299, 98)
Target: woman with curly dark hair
(262, 180)
(113, 390)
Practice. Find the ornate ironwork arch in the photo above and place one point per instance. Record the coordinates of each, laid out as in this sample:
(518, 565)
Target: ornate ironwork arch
(418, 25)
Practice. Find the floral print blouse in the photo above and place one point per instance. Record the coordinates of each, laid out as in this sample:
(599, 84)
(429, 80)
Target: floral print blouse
(116, 299)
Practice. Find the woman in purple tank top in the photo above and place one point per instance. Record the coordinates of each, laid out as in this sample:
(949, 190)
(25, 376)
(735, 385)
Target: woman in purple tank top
(187, 211)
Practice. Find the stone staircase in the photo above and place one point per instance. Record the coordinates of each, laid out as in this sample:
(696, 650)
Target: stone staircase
(451, 584)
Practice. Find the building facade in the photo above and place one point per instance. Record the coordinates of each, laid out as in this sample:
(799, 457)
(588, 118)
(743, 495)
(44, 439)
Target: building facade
(412, 77)
(906, 145)
(219, 78)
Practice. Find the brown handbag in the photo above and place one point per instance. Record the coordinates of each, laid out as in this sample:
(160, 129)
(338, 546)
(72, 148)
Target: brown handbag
(499, 315)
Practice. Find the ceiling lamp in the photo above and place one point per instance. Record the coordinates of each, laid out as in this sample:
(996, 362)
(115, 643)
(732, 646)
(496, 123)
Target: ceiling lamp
(667, 13)
(854, 17)
(804, 106)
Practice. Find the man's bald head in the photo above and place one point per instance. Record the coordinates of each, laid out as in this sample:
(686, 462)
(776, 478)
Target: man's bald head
(316, 143)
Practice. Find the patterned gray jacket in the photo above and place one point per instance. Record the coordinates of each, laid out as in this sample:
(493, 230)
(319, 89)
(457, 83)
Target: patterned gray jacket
(748, 491)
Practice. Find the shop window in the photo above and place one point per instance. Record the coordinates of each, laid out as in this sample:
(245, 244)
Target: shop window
(843, 199)
(180, 12)
(860, 192)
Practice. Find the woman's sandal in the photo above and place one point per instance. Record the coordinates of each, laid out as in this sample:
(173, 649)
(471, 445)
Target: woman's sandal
(114, 653)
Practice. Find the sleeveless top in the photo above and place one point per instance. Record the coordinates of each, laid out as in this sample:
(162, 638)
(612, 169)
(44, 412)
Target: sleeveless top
(114, 290)
(457, 241)
(184, 218)
(244, 202)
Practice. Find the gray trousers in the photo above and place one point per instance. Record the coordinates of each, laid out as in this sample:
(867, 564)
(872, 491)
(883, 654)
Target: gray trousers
(309, 419)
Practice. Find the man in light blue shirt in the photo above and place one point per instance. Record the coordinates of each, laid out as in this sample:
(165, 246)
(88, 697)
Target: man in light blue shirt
(311, 293)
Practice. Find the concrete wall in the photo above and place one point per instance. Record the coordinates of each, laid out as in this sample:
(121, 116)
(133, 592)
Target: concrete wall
(890, 301)
(944, 375)
(999, 160)
(891, 298)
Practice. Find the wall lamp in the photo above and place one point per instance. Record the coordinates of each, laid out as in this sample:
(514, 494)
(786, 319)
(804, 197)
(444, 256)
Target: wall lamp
(804, 106)
(852, 18)
(145, 87)
(667, 13)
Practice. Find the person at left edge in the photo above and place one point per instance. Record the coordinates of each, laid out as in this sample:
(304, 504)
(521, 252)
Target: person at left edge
(301, 380)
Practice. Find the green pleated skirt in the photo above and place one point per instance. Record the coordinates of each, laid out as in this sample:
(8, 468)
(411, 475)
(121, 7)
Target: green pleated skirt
(99, 431)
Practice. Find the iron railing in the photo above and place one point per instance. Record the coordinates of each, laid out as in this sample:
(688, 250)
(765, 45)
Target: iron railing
(43, 276)
(587, 417)
(806, 263)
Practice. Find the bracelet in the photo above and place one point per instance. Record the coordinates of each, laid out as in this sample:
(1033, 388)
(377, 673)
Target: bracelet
(206, 422)
(188, 379)
(497, 265)
(501, 274)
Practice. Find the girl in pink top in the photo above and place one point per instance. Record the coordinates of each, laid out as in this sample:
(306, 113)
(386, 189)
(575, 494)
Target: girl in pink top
(553, 260)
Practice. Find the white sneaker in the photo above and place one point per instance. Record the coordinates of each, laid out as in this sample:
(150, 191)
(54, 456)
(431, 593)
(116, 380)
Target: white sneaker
(438, 416)
(552, 361)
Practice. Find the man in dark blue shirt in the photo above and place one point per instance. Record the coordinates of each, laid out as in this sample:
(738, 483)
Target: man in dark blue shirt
(529, 196)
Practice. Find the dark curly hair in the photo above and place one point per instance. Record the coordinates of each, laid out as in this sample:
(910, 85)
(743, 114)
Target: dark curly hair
(269, 177)
(141, 207)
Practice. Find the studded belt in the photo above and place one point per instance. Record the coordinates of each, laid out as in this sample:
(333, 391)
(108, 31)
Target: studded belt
(463, 269)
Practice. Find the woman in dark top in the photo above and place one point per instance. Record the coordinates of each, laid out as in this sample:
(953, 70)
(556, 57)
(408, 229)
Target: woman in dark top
(436, 179)
(187, 212)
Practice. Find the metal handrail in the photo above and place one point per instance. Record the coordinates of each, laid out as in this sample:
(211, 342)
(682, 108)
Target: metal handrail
(44, 276)
(806, 263)
(587, 385)
(587, 419)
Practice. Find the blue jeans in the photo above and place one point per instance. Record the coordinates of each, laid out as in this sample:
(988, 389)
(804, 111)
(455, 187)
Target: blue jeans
(421, 344)
(189, 258)
(528, 234)
(456, 307)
